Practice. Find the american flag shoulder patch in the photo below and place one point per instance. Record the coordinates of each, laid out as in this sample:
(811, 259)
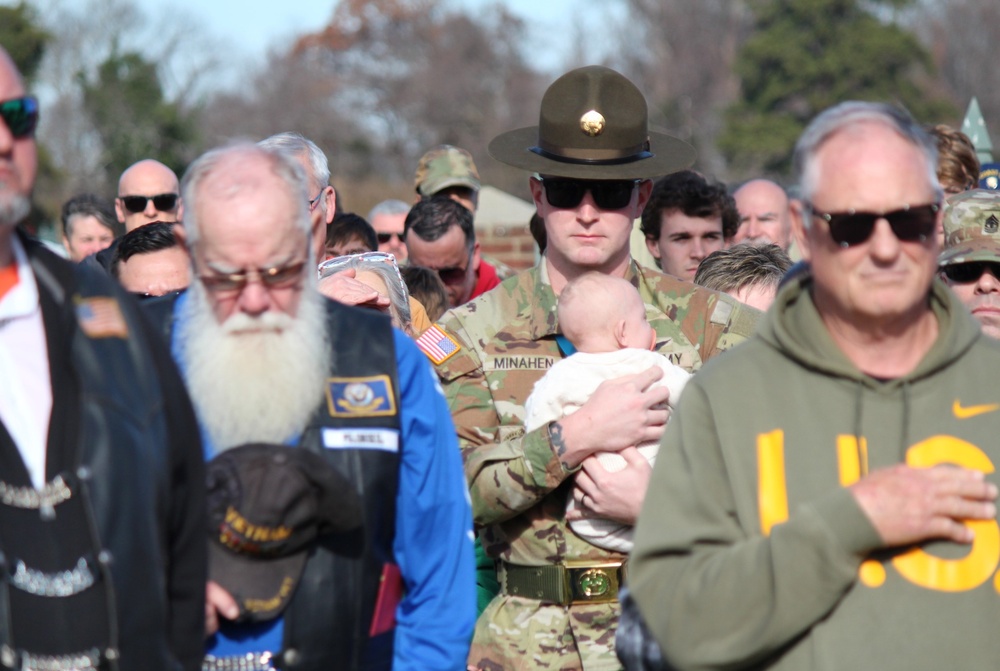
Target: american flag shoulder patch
(437, 345)
(101, 317)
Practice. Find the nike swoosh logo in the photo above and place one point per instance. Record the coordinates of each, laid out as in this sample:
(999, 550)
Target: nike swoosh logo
(973, 410)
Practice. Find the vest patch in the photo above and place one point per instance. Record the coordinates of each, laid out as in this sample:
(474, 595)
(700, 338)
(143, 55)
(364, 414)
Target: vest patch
(522, 362)
(101, 318)
(361, 439)
(360, 396)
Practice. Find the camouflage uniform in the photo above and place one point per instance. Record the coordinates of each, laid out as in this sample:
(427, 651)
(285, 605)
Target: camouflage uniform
(971, 228)
(506, 342)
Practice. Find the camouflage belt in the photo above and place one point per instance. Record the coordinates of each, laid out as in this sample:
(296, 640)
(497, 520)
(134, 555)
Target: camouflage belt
(564, 584)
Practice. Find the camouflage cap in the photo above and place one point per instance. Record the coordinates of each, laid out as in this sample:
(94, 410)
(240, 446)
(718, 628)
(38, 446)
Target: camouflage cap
(971, 227)
(445, 166)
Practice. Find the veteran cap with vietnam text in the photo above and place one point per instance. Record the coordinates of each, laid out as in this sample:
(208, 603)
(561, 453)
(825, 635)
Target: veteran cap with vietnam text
(267, 505)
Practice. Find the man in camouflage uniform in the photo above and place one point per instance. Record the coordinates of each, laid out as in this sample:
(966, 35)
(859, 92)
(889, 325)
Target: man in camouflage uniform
(970, 259)
(594, 156)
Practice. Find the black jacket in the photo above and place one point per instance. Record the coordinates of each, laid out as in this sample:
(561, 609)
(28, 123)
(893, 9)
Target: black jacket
(123, 423)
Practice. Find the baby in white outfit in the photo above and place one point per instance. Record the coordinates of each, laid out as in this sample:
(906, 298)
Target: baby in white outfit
(605, 319)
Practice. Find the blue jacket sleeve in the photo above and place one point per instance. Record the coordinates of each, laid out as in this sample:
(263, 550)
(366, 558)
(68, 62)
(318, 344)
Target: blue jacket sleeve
(434, 535)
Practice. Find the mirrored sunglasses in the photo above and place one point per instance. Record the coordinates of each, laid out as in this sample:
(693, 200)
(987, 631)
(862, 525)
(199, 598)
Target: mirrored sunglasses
(909, 224)
(610, 194)
(20, 115)
(966, 273)
(163, 202)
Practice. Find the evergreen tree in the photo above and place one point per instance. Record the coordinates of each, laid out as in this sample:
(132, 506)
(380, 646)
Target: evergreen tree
(807, 55)
(23, 38)
(126, 104)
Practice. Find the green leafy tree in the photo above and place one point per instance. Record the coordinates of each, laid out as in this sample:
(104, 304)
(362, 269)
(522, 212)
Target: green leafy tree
(126, 104)
(23, 38)
(807, 55)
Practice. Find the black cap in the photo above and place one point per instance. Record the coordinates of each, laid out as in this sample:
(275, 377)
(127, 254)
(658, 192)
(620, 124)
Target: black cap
(267, 505)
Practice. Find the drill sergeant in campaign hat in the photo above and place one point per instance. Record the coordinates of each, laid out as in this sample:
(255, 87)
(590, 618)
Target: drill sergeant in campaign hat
(593, 156)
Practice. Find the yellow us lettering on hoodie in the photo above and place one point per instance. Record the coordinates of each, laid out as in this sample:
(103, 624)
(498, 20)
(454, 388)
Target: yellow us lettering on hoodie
(917, 566)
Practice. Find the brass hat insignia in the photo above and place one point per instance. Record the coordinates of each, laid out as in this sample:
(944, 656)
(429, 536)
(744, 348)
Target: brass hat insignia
(592, 123)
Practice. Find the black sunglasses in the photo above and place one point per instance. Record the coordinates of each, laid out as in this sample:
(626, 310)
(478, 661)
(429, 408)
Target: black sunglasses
(609, 194)
(909, 224)
(163, 202)
(145, 296)
(20, 115)
(452, 275)
(966, 273)
(386, 237)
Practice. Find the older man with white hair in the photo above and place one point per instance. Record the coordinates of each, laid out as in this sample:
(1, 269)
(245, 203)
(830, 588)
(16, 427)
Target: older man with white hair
(268, 359)
(841, 515)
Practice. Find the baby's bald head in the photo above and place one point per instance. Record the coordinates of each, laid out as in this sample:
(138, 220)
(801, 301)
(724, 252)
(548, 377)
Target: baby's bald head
(600, 313)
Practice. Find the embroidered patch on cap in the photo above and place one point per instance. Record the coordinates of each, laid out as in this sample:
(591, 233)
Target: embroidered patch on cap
(101, 318)
(437, 345)
(360, 396)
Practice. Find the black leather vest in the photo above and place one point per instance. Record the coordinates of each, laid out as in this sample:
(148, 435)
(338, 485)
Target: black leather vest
(328, 622)
(120, 457)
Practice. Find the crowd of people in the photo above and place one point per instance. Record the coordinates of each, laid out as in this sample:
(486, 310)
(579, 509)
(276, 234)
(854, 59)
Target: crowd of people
(242, 429)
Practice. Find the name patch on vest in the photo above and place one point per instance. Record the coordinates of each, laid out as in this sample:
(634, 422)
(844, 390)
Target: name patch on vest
(520, 362)
(360, 396)
(361, 439)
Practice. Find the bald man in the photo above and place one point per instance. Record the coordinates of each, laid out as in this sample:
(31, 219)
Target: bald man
(764, 214)
(148, 191)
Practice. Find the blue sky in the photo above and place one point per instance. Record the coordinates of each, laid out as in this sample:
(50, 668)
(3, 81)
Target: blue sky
(252, 26)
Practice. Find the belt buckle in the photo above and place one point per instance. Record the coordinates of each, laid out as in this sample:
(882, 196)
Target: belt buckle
(587, 582)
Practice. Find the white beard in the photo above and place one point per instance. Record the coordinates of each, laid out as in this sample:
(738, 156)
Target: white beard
(13, 209)
(255, 379)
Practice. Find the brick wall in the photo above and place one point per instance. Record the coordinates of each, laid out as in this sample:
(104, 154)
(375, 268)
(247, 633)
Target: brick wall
(512, 245)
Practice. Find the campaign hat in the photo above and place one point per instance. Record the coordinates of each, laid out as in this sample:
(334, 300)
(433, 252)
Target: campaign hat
(593, 124)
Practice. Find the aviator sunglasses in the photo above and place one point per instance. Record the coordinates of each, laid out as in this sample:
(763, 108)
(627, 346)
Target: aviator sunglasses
(163, 202)
(966, 273)
(609, 194)
(909, 224)
(280, 277)
(20, 115)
